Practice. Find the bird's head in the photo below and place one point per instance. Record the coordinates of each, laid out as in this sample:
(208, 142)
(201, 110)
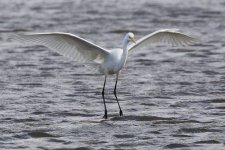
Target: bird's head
(130, 37)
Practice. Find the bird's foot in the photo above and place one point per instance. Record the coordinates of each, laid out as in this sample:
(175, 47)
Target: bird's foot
(105, 116)
(121, 112)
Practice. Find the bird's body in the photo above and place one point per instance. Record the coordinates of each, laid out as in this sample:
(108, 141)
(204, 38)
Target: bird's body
(109, 61)
(113, 62)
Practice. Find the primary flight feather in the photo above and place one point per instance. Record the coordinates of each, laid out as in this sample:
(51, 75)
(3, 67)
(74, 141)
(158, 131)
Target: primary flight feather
(67, 44)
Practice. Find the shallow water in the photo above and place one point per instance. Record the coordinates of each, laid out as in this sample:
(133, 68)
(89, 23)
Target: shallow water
(171, 97)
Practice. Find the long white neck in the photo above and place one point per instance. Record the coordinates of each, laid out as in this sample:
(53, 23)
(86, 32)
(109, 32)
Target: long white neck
(125, 50)
(125, 43)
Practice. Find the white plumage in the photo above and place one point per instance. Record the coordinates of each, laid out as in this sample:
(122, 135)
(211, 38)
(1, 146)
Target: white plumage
(167, 36)
(66, 44)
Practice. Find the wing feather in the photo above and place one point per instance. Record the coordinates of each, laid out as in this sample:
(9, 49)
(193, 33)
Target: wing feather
(167, 36)
(66, 44)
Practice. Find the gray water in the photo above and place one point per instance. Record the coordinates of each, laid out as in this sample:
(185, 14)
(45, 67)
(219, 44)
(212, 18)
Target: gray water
(172, 98)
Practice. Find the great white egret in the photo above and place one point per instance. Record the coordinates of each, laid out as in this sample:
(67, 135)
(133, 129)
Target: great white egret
(108, 61)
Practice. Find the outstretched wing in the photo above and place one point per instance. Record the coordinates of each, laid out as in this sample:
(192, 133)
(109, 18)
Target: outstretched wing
(168, 36)
(66, 44)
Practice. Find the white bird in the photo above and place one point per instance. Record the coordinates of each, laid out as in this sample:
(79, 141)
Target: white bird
(108, 61)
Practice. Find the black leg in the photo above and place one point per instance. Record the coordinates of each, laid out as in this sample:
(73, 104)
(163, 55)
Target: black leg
(121, 112)
(103, 96)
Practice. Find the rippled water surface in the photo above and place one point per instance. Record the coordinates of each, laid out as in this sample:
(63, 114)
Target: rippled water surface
(171, 97)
